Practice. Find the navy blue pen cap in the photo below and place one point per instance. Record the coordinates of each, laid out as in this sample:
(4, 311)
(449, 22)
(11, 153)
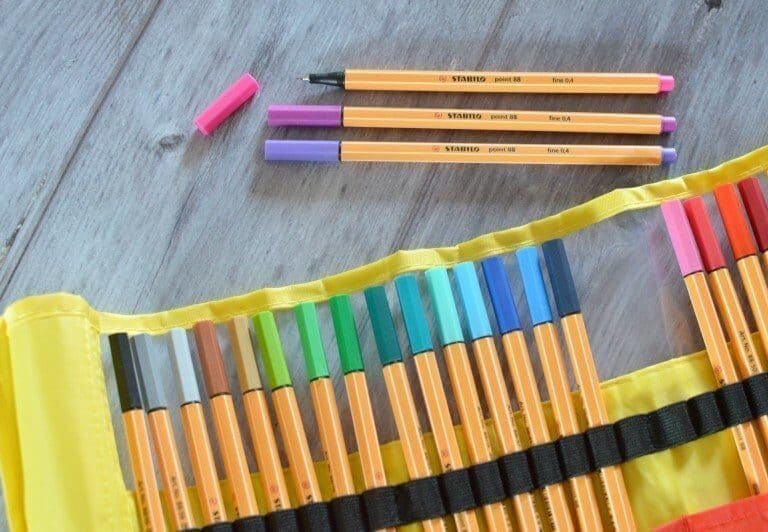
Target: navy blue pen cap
(561, 278)
(503, 303)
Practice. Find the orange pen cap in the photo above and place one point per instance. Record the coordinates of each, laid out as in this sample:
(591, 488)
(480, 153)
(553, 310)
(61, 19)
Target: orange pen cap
(734, 221)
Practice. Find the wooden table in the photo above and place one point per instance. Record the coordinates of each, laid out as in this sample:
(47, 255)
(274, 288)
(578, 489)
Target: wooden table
(109, 192)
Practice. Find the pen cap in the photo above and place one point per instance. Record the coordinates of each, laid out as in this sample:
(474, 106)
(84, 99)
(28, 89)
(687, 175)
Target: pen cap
(311, 342)
(561, 278)
(323, 151)
(125, 372)
(472, 300)
(245, 359)
(151, 373)
(704, 233)
(444, 306)
(533, 285)
(507, 318)
(681, 236)
(271, 350)
(304, 115)
(183, 369)
(346, 334)
(736, 228)
(209, 352)
(227, 103)
(412, 308)
(757, 210)
(383, 325)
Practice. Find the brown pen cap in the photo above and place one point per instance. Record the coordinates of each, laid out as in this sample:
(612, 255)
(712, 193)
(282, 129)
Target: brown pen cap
(214, 374)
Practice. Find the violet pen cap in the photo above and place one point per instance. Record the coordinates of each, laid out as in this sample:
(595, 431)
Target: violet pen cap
(324, 151)
(304, 115)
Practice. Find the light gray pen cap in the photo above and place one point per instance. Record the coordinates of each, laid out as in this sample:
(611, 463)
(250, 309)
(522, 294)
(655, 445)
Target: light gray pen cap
(151, 373)
(181, 360)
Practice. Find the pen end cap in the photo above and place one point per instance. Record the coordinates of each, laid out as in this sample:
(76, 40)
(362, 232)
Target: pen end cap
(666, 83)
(668, 155)
(668, 124)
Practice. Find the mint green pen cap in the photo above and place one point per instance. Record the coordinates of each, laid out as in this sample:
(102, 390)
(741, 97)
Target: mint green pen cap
(414, 317)
(472, 300)
(311, 341)
(346, 334)
(271, 350)
(444, 305)
(383, 325)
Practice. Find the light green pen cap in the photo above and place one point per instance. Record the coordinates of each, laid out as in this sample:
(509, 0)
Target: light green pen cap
(346, 334)
(311, 341)
(444, 306)
(271, 350)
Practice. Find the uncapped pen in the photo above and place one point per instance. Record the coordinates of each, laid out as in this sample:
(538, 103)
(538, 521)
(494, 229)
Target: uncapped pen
(134, 421)
(470, 119)
(524, 381)
(420, 340)
(556, 378)
(464, 389)
(757, 210)
(324, 400)
(257, 415)
(225, 423)
(692, 270)
(196, 432)
(498, 82)
(399, 392)
(583, 364)
(294, 436)
(492, 380)
(162, 434)
(332, 151)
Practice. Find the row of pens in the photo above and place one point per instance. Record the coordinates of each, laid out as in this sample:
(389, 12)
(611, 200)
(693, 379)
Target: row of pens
(143, 399)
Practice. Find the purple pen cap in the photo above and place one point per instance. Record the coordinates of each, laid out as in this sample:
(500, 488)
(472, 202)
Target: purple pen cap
(304, 115)
(325, 151)
(668, 155)
(668, 124)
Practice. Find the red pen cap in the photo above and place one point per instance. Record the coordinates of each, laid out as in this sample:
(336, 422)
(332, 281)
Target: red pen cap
(735, 224)
(704, 233)
(757, 210)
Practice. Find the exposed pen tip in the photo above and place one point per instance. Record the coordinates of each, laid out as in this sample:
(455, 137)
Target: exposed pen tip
(303, 78)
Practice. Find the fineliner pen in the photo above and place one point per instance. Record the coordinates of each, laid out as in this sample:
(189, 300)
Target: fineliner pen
(289, 421)
(692, 270)
(524, 381)
(324, 400)
(492, 380)
(556, 378)
(757, 211)
(467, 119)
(196, 432)
(225, 423)
(333, 151)
(257, 415)
(464, 389)
(134, 421)
(399, 391)
(583, 364)
(496, 82)
(162, 434)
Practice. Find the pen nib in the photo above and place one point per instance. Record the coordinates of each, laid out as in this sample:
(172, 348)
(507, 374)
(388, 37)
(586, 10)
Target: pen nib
(303, 78)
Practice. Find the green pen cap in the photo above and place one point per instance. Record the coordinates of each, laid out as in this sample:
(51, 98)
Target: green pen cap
(346, 334)
(311, 341)
(271, 350)
(444, 305)
(383, 325)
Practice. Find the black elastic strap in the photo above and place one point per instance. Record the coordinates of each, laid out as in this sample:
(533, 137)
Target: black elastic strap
(314, 516)
(456, 488)
(217, 527)
(253, 523)
(282, 520)
(347, 514)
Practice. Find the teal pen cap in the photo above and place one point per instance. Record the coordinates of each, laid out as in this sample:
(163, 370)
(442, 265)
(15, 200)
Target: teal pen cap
(383, 325)
(412, 307)
(444, 305)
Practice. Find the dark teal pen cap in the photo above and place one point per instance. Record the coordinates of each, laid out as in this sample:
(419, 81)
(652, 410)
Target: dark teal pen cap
(533, 284)
(561, 278)
(383, 325)
(507, 318)
(412, 307)
(444, 305)
(472, 302)
(346, 334)
(311, 341)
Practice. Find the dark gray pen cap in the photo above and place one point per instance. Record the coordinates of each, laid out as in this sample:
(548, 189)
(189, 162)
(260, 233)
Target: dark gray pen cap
(150, 369)
(181, 361)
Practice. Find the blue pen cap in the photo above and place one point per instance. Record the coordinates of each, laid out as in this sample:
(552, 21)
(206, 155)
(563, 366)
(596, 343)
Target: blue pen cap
(472, 300)
(412, 307)
(507, 318)
(561, 278)
(533, 283)
(444, 305)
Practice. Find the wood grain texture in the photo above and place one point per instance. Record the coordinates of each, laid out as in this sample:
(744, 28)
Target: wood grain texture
(117, 197)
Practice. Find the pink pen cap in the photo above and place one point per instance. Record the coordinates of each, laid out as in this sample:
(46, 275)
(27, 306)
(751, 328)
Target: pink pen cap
(666, 83)
(682, 237)
(227, 103)
(304, 115)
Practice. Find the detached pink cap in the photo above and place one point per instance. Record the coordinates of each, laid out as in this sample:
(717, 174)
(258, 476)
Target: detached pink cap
(304, 115)
(227, 103)
(682, 237)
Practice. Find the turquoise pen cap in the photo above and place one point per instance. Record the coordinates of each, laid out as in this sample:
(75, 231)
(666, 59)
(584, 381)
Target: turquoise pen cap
(444, 305)
(383, 325)
(472, 300)
(533, 285)
(412, 307)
